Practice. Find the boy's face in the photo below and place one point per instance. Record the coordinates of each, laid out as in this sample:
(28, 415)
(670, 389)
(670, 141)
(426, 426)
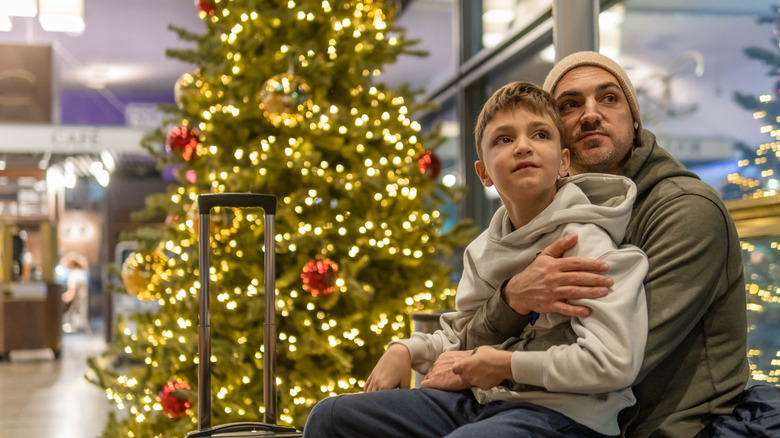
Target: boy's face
(522, 157)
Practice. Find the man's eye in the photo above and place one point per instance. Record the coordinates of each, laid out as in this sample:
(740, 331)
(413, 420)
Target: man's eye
(610, 98)
(566, 105)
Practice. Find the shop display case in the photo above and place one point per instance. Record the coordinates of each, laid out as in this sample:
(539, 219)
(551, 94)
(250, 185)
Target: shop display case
(30, 303)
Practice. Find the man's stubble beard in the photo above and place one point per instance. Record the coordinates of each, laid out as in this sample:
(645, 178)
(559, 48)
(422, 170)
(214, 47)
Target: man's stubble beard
(604, 160)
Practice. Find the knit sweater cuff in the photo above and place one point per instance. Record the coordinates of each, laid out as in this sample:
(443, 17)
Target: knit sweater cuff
(528, 367)
(419, 350)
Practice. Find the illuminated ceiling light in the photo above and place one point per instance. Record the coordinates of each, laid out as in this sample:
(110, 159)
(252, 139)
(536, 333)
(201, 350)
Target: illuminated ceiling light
(610, 34)
(491, 39)
(43, 163)
(62, 15)
(69, 180)
(612, 17)
(108, 160)
(54, 177)
(103, 177)
(96, 167)
(449, 180)
(610, 51)
(498, 16)
(548, 54)
(5, 23)
(19, 8)
(450, 129)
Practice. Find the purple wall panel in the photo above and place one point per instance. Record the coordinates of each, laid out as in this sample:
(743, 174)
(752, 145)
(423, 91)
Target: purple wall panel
(94, 108)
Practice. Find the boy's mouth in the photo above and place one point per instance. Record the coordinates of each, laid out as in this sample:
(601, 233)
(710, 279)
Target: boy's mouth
(523, 165)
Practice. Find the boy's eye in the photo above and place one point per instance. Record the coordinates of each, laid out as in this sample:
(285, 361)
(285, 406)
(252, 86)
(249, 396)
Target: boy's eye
(567, 105)
(541, 135)
(502, 140)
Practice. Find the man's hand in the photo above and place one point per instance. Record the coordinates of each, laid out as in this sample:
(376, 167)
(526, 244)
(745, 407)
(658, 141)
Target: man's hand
(393, 371)
(551, 279)
(485, 368)
(442, 377)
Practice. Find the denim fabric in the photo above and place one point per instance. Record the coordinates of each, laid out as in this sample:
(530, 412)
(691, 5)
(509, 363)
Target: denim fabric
(756, 415)
(428, 413)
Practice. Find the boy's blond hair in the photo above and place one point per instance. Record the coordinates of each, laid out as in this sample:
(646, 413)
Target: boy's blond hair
(518, 95)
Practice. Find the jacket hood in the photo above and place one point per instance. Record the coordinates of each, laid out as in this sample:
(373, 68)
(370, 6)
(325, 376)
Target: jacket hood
(601, 199)
(650, 163)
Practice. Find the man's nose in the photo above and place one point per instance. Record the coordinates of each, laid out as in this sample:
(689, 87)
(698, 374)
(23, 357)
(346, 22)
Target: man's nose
(590, 113)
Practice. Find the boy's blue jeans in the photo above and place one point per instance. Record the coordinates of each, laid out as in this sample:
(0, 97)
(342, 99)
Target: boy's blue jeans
(429, 413)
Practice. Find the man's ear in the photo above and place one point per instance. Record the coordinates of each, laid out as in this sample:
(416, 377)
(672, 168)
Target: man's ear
(565, 161)
(479, 166)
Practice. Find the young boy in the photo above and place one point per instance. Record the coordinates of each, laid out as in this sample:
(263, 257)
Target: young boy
(563, 376)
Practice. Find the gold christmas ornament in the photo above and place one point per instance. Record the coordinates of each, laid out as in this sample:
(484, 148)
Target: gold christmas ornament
(218, 220)
(185, 92)
(284, 99)
(139, 272)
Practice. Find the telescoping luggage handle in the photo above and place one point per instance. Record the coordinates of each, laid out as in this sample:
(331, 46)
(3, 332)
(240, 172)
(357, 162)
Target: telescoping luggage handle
(237, 200)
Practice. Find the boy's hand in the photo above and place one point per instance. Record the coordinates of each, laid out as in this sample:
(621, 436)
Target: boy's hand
(393, 371)
(485, 368)
(551, 279)
(442, 377)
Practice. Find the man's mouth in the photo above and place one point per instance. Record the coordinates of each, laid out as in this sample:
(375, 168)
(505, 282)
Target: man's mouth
(590, 134)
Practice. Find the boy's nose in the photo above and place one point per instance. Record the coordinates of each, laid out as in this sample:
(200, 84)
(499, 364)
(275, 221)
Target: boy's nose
(522, 146)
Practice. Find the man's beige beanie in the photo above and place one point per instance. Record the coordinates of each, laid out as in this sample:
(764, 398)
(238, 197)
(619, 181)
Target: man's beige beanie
(580, 59)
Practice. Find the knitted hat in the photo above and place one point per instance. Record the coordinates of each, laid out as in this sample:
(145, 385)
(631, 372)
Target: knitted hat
(580, 59)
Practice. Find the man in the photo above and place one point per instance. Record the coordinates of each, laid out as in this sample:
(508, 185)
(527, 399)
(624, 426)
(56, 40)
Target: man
(695, 364)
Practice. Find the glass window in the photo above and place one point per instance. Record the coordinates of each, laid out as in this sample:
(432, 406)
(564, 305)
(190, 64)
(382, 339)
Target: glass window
(761, 258)
(448, 154)
(502, 18)
(687, 61)
(433, 24)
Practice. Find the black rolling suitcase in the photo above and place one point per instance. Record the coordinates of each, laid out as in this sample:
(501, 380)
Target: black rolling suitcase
(269, 427)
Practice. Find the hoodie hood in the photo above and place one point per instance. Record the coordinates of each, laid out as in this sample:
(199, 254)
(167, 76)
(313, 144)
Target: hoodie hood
(650, 163)
(600, 199)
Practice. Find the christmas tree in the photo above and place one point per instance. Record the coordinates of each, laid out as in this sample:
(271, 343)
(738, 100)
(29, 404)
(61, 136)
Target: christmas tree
(284, 101)
(758, 178)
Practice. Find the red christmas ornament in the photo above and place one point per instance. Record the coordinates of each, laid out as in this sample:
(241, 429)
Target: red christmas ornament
(319, 277)
(429, 165)
(173, 398)
(206, 6)
(184, 139)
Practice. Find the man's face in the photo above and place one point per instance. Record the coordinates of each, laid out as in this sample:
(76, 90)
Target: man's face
(597, 120)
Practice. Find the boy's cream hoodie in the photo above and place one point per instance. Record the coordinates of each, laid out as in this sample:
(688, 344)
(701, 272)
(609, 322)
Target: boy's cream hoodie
(580, 367)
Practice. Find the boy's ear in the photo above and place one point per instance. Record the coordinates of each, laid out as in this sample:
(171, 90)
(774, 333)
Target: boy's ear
(482, 173)
(565, 161)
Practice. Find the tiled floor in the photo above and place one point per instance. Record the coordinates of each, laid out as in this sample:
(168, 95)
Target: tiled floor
(44, 397)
